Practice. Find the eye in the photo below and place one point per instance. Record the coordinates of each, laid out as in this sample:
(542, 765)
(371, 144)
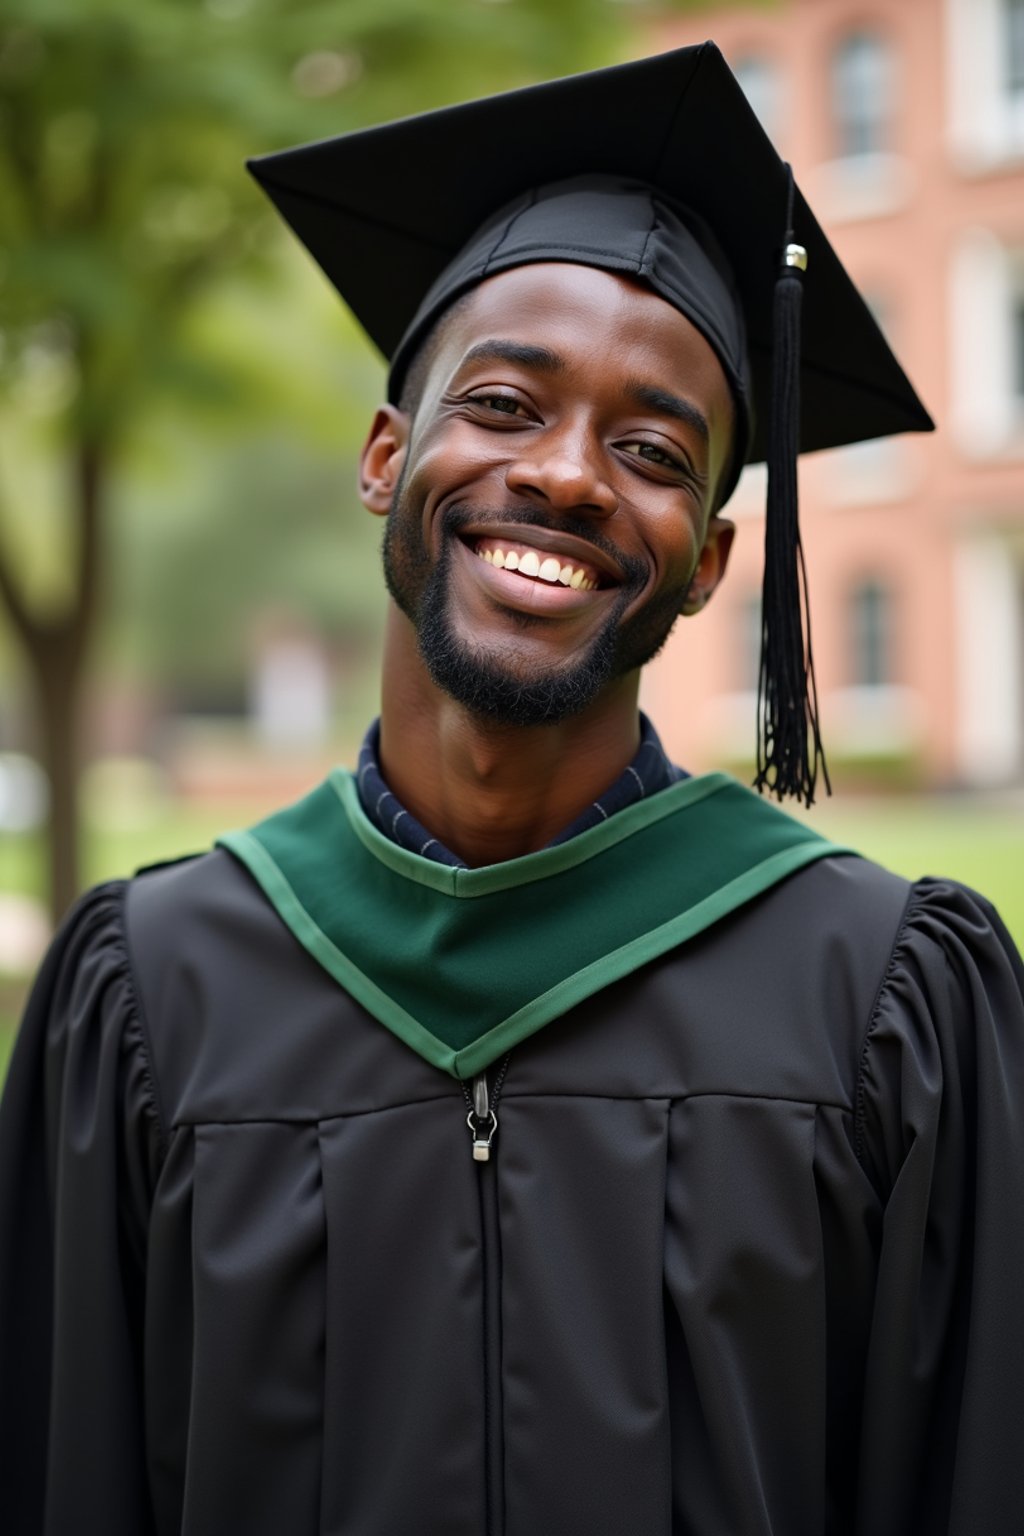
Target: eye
(501, 404)
(652, 454)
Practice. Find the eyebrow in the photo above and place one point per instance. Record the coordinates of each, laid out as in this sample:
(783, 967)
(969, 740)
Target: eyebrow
(654, 399)
(541, 358)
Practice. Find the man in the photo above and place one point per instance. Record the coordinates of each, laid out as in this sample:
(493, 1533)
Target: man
(519, 1136)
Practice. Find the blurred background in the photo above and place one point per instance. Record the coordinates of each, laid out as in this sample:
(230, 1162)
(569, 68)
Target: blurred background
(190, 606)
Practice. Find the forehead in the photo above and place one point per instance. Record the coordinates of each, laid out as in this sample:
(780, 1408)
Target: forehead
(603, 325)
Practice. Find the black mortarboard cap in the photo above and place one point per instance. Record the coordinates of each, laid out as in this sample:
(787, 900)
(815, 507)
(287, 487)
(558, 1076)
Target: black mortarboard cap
(670, 177)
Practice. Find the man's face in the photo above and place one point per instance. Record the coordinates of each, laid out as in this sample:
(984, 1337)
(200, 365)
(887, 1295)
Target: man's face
(552, 515)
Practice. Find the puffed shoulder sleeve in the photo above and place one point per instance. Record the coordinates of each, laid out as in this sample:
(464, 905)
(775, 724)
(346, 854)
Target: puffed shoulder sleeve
(79, 1154)
(940, 1132)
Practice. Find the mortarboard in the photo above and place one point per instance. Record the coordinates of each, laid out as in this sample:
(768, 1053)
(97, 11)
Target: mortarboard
(659, 169)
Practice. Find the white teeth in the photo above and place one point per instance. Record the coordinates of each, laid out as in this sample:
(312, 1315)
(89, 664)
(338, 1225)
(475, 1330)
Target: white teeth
(530, 564)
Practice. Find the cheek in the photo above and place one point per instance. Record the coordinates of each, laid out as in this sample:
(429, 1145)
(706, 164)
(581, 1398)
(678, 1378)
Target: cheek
(457, 455)
(674, 542)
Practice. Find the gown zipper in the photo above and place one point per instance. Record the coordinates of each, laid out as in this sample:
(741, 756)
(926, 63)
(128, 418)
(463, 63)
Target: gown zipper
(482, 1105)
(482, 1119)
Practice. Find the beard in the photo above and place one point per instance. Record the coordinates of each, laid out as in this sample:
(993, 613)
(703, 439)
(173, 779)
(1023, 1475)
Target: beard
(508, 687)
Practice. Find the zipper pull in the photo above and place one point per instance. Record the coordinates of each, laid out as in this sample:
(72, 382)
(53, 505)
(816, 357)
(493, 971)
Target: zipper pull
(482, 1104)
(482, 1120)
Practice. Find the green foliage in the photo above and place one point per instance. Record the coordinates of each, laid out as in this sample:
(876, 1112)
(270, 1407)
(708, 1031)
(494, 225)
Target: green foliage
(151, 304)
(123, 128)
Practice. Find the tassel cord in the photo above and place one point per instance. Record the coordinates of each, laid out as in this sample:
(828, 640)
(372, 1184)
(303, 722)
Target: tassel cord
(787, 700)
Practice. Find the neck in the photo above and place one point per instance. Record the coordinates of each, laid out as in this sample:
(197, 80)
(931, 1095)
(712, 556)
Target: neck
(488, 791)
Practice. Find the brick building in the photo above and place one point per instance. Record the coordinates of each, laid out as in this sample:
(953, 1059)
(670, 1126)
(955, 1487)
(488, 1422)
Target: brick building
(904, 121)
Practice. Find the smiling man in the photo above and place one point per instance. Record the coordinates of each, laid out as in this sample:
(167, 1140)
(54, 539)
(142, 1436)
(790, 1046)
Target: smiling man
(550, 495)
(519, 1137)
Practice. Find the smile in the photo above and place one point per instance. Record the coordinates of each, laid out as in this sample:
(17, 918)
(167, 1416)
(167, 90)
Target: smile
(538, 564)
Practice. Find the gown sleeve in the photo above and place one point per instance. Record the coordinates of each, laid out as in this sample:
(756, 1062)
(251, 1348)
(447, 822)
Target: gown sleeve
(940, 1127)
(79, 1151)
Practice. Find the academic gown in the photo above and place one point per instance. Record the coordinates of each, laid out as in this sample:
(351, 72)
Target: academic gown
(745, 1259)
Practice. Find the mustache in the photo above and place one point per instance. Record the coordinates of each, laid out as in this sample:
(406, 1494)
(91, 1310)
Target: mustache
(459, 515)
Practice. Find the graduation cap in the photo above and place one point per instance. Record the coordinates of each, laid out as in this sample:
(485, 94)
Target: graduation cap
(658, 169)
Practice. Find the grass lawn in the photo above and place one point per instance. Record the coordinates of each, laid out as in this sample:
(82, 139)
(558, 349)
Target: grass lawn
(978, 842)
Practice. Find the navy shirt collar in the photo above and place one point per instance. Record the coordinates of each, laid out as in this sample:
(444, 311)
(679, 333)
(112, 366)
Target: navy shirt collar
(649, 772)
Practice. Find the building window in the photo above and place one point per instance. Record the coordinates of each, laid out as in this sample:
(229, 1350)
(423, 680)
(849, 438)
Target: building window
(862, 72)
(759, 78)
(987, 341)
(870, 622)
(985, 40)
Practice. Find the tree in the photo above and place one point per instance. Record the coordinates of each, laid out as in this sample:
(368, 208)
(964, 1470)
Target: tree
(123, 128)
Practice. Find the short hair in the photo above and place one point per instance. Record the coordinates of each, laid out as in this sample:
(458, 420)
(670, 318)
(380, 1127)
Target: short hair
(423, 358)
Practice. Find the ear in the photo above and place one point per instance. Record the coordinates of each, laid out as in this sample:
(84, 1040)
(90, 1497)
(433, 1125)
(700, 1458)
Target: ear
(711, 564)
(381, 460)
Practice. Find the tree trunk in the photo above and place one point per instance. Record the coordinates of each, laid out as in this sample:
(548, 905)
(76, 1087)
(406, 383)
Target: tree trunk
(56, 662)
(56, 651)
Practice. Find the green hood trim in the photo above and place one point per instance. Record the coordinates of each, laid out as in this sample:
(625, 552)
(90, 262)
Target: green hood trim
(462, 964)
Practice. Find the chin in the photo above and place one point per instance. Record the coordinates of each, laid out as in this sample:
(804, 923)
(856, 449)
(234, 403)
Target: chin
(494, 689)
(503, 686)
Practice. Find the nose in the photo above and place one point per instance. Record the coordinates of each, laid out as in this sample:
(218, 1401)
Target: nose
(565, 473)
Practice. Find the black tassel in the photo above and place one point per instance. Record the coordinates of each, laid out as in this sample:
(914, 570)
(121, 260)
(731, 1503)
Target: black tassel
(789, 748)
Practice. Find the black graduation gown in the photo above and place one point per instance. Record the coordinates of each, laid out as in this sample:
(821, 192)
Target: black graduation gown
(747, 1258)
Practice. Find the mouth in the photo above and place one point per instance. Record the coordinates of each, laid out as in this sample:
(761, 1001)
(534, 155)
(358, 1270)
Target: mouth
(544, 558)
(530, 564)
